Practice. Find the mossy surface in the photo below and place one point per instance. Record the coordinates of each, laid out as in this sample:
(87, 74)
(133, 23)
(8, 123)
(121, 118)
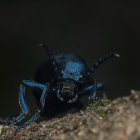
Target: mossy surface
(99, 109)
(1, 126)
(102, 113)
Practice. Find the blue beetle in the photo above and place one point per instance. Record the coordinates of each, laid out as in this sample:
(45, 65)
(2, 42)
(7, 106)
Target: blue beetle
(58, 84)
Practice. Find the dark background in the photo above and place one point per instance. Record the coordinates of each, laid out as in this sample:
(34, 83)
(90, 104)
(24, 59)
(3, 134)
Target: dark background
(90, 28)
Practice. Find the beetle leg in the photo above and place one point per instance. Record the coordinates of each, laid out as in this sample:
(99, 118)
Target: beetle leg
(43, 98)
(33, 84)
(102, 87)
(93, 92)
(29, 121)
(42, 103)
(104, 94)
(22, 102)
(92, 89)
(23, 107)
(28, 83)
(74, 99)
(97, 99)
(13, 121)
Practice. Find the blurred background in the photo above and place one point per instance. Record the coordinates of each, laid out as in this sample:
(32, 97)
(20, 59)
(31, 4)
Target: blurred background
(90, 28)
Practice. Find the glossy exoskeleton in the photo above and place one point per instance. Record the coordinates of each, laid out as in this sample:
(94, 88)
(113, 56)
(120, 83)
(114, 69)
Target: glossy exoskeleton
(58, 84)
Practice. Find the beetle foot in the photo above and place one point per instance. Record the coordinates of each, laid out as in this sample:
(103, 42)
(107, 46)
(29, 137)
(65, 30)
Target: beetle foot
(96, 99)
(99, 101)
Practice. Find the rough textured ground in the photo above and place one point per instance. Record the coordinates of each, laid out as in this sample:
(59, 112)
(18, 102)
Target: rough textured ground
(118, 120)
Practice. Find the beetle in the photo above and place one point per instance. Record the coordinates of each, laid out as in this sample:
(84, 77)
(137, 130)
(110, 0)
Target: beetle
(59, 82)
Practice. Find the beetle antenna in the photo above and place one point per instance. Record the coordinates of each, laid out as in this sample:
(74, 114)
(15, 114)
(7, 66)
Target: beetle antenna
(101, 60)
(48, 52)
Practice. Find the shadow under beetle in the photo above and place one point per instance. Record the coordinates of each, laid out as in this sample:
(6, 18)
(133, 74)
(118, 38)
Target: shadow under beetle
(60, 80)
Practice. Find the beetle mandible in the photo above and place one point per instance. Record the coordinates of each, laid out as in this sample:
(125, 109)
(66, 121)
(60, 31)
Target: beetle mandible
(60, 80)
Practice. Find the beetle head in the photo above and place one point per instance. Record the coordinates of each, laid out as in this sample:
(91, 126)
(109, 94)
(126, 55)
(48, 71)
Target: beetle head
(67, 90)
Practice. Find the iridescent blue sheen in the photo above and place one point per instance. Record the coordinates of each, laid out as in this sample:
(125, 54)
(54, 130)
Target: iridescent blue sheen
(59, 82)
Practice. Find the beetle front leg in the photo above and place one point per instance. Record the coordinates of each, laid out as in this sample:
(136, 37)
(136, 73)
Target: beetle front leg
(42, 102)
(93, 96)
(23, 107)
(37, 114)
(102, 87)
(93, 91)
(27, 83)
(22, 102)
(43, 97)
